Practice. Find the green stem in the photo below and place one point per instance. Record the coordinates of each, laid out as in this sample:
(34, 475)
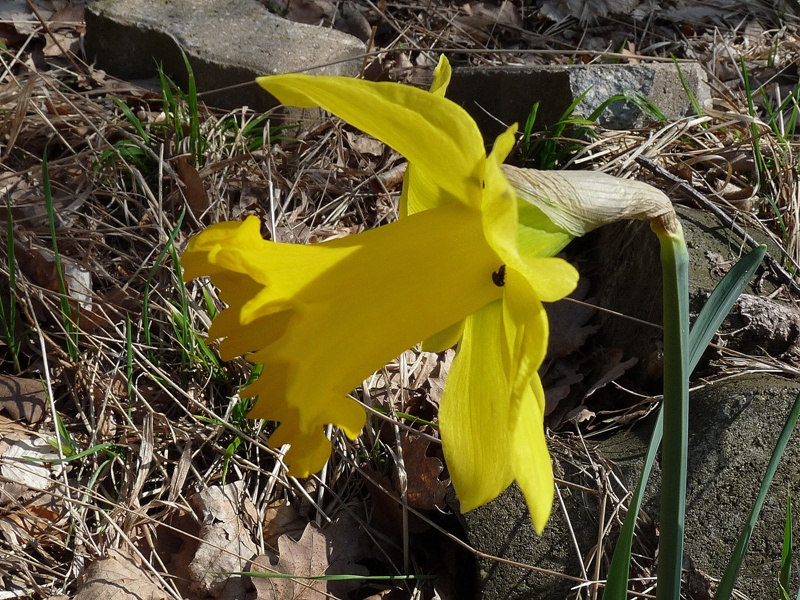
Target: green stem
(675, 265)
(708, 322)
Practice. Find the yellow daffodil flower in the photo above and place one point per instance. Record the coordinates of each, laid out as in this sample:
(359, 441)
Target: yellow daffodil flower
(464, 264)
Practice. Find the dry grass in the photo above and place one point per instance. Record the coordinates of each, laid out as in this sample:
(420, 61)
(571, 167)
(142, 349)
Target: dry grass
(145, 415)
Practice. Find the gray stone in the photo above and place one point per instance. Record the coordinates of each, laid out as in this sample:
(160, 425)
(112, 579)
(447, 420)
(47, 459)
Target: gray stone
(497, 95)
(227, 42)
(734, 426)
(630, 284)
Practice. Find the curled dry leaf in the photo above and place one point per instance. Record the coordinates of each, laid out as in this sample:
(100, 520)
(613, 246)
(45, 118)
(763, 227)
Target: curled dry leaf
(364, 144)
(344, 16)
(438, 376)
(484, 15)
(40, 266)
(36, 266)
(193, 188)
(22, 398)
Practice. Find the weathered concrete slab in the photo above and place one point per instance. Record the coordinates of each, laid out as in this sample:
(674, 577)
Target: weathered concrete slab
(508, 93)
(734, 426)
(228, 43)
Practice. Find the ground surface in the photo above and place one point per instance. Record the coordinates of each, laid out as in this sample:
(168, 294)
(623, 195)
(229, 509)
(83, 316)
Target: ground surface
(140, 445)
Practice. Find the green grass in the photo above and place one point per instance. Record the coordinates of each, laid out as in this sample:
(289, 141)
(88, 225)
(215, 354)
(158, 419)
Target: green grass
(553, 147)
(69, 315)
(8, 312)
(785, 575)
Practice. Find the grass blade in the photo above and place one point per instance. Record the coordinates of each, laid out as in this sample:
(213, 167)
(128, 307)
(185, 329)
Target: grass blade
(70, 324)
(149, 282)
(725, 588)
(786, 551)
(137, 124)
(9, 321)
(687, 88)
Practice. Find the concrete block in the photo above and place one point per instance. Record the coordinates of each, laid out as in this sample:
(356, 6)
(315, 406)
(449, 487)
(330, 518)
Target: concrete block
(228, 43)
(496, 95)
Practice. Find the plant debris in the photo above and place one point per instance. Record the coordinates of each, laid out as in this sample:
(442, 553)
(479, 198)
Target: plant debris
(127, 465)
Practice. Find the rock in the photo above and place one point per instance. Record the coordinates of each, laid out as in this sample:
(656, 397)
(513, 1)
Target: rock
(227, 42)
(734, 426)
(755, 325)
(497, 95)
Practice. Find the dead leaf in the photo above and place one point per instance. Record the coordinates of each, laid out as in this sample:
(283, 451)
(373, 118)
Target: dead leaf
(40, 266)
(226, 545)
(424, 489)
(613, 369)
(33, 263)
(22, 398)
(560, 378)
(68, 16)
(118, 577)
(21, 463)
(36, 520)
(364, 144)
(350, 19)
(484, 14)
(311, 12)
(568, 322)
(193, 190)
(579, 415)
(438, 376)
(60, 42)
(281, 518)
(316, 553)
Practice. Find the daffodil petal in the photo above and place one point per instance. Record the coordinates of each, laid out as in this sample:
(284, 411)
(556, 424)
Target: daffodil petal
(474, 413)
(437, 136)
(309, 451)
(441, 77)
(526, 323)
(420, 193)
(500, 202)
(447, 338)
(526, 330)
(529, 456)
(551, 278)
